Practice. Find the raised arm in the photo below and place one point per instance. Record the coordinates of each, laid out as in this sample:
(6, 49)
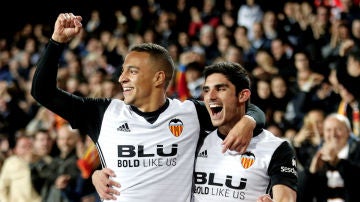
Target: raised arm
(44, 86)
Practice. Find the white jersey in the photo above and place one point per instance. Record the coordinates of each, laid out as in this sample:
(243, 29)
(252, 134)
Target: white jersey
(235, 177)
(152, 162)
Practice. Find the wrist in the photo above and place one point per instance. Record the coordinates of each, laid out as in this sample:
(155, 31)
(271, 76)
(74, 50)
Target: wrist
(251, 119)
(55, 41)
(59, 39)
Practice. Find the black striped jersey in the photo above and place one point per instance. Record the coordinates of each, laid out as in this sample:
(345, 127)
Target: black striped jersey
(232, 176)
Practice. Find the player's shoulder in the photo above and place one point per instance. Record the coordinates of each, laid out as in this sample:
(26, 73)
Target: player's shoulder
(175, 101)
(269, 136)
(117, 105)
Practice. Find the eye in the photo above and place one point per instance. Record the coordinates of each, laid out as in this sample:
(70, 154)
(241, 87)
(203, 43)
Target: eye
(133, 71)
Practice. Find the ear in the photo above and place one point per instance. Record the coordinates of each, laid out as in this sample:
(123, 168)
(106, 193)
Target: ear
(244, 95)
(159, 78)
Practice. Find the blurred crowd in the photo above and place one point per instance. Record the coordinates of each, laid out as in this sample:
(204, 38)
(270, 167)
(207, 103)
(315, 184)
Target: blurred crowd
(303, 58)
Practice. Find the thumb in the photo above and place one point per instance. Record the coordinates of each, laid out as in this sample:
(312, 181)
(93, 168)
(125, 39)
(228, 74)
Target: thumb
(77, 29)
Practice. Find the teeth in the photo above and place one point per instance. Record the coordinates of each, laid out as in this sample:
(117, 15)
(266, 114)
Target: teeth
(126, 89)
(214, 105)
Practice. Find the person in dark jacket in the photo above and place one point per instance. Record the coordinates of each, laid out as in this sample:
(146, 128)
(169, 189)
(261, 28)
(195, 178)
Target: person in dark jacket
(334, 172)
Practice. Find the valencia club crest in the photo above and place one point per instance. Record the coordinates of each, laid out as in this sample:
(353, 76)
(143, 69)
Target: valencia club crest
(247, 159)
(176, 127)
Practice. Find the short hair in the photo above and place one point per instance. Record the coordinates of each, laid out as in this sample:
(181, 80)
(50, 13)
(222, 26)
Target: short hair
(160, 55)
(234, 72)
(341, 118)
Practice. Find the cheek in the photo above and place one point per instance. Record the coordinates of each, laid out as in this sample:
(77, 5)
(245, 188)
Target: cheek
(231, 104)
(144, 80)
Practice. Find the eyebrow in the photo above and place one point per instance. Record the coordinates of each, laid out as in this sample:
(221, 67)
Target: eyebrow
(216, 86)
(129, 68)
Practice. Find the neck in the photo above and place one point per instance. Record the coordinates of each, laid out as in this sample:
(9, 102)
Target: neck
(230, 124)
(153, 104)
(225, 129)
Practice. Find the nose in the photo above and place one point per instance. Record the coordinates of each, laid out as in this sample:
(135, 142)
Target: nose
(211, 94)
(122, 77)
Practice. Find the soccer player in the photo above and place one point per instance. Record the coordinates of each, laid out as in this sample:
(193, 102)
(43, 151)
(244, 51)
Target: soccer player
(147, 139)
(267, 167)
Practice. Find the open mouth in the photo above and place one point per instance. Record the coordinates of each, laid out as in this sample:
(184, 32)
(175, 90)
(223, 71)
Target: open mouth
(215, 109)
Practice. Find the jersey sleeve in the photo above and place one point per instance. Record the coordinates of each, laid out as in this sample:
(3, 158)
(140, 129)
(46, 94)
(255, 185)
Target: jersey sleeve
(203, 115)
(259, 116)
(282, 168)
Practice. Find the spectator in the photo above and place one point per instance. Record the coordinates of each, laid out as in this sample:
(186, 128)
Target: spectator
(288, 22)
(43, 147)
(249, 14)
(262, 97)
(60, 183)
(265, 67)
(271, 25)
(334, 171)
(355, 30)
(207, 41)
(12, 117)
(194, 79)
(241, 40)
(347, 74)
(281, 95)
(15, 176)
(310, 136)
(210, 14)
(283, 56)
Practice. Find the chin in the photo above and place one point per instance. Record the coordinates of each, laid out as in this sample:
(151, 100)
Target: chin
(216, 123)
(127, 101)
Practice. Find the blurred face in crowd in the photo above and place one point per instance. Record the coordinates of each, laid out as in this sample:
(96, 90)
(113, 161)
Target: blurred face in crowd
(278, 87)
(234, 54)
(269, 19)
(66, 139)
(336, 130)
(355, 28)
(263, 89)
(183, 39)
(301, 62)
(42, 143)
(136, 12)
(23, 146)
(353, 66)
(207, 35)
(314, 121)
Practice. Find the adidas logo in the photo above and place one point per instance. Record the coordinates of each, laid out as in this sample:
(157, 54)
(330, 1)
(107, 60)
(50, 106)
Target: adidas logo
(203, 154)
(124, 127)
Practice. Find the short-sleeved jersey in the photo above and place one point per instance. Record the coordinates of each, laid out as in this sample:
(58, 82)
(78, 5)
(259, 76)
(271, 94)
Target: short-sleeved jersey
(150, 158)
(232, 176)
